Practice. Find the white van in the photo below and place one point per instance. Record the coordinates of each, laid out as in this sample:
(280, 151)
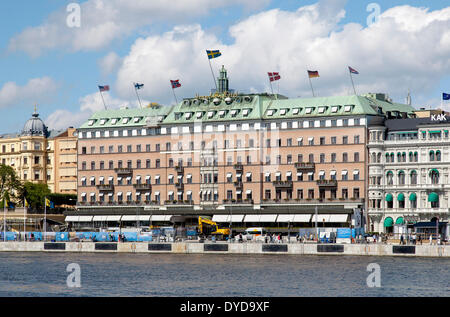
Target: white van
(255, 234)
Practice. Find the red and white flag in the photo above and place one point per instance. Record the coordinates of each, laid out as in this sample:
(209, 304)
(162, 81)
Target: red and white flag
(274, 76)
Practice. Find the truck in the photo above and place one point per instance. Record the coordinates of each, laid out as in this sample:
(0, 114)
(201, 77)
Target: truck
(207, 227)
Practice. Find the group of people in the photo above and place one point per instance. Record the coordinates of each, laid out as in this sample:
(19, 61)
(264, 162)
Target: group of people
(417, 239)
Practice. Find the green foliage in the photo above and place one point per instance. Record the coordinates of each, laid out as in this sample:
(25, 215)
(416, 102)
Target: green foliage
(35, 194)
(10, 185)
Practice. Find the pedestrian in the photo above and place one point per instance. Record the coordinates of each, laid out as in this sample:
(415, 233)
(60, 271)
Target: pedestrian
(431, 239)
(401, 240)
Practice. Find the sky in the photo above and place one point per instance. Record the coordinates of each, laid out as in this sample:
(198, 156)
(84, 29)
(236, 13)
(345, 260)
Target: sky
(55, 53)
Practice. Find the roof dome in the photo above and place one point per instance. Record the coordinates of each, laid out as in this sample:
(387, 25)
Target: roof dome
(35, 126)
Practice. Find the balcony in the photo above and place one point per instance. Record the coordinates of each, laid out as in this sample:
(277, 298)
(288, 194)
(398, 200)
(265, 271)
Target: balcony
(327, 183)
(238, 185)
(238, 201)
(179, 186)
(282, 184)
(179, 169)
(142, 186)
(123, 171)
(305, 166)
(238, 167)
(105, 187)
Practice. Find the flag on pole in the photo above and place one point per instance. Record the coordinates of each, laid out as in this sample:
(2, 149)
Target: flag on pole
(26, 203)
(138, 86)
(313, 74)
(103, 88)
(445, 96)
(353, 71)
(48, 203)
(213, 54)
(274, 76)
(175, 83)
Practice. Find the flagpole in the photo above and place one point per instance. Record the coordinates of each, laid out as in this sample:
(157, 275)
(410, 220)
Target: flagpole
(139, 99)
(353, 84)
(212, 72)
(4, 220)
(104, 104)
(310, 83)
(173, 90)
(45, 217)
(24, 218)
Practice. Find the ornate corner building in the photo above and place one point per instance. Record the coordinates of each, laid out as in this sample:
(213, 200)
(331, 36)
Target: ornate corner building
(409, 172)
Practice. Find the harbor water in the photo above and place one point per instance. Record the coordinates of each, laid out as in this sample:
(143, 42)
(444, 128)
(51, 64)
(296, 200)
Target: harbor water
(175, 275)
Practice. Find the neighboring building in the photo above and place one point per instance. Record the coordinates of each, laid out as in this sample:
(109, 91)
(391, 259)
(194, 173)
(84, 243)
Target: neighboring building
(261, 159)
(30, 153)
(65, 165)
(409, 173)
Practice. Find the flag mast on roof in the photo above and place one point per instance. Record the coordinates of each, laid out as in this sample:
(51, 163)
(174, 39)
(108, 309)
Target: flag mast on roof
(353, 71)
(102, 89)
(211, 55)
(312, 74)
(138, 86)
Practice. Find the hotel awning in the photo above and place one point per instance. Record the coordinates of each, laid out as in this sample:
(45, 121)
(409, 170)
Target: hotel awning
(135, 218)
(161, 217)
(302, 218)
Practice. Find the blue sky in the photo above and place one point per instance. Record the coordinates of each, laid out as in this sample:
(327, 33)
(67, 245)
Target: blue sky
(43, 63)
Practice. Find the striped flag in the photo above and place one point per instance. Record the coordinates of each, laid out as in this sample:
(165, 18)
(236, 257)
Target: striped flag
(175, 83)
(103, 88)
(353, 71)
(274, 76)
(313, 73)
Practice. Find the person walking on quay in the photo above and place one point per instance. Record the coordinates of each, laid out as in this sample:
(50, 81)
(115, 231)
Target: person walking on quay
(401, 239)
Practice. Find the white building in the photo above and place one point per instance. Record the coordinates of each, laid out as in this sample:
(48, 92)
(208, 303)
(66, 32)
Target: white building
(409, 163)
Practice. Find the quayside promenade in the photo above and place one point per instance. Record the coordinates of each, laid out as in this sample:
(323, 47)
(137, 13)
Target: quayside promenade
(231, 248)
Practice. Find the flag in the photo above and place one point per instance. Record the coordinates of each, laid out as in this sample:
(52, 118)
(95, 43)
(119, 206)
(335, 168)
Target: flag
(353, 71)
(103, 88)
(313, 74)
(26, 203)
(445, 96)
(47, 202)
(274, 76)
(175, 83)
(138, 86)
(213, 54)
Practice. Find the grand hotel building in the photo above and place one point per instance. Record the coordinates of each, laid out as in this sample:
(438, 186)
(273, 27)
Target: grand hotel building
(250, 159)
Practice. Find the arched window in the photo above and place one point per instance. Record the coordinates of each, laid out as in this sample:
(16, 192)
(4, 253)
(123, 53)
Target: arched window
(387, 158)
(413, 176)
(399, 157)
(416, 157)
(411, 156)
(390, 201)
(431, 156)
(434, 176)
(392, 157)
(403, 157)
(379, 158)
(438, 155)
(374, 157)
(390, 178)
(433, 198)
(401, 200)
(401, 178)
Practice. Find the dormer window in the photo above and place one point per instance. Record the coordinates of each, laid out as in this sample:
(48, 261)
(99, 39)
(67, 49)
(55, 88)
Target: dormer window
(199, 115)
(234, 113)
(125, 120)
(246, 112)
(296, 111)
(91, 122)
(270, 112)
(103, 121)
(322, 109)
(137, 119)
(222, 113)
(114, 121)
(211, 114)
(283, 111)
(309, 110)
(334, 109)
(188, 115)
(348, 108)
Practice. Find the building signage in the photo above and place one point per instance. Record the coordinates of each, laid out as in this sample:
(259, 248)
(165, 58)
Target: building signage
(439, 117)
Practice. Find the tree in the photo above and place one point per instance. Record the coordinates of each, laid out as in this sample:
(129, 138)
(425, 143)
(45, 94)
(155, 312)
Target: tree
(35, 194)
(10, 185)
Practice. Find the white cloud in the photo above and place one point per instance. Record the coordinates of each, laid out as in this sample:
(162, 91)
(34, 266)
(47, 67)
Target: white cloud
(102, 21)
(37, 90)
(110, 63)
(393, 55)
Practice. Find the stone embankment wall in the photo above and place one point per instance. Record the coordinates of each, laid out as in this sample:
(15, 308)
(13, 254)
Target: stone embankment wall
(232, 248)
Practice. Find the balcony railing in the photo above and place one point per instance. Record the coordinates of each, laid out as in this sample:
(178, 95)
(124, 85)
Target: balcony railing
(105, 187)
(238, 201)
(283, 184)
(327, 183)
(179, 186)
(123, 171)
(305, 166)
(142, 186)
(238, 184)
(179, 169)
(238, 167)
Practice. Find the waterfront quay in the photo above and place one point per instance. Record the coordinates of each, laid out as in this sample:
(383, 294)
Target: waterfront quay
(376, 249)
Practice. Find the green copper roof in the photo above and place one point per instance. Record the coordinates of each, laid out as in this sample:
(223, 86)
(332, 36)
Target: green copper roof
(126, 117)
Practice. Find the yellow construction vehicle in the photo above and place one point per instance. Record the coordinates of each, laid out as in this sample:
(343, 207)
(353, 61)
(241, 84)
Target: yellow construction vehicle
(207, 227)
